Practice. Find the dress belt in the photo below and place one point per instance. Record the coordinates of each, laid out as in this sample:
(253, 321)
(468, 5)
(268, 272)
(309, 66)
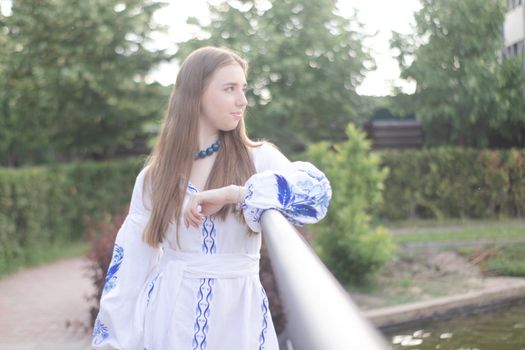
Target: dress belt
(165, 283)
(197, 265)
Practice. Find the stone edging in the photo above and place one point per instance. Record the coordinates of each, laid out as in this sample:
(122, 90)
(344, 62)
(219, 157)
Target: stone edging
(498, 290)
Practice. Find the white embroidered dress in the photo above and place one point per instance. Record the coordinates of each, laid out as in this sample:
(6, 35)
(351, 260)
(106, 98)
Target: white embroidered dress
(207, 294)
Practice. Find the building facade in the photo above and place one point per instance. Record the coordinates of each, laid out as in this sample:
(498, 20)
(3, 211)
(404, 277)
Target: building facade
(514, 29)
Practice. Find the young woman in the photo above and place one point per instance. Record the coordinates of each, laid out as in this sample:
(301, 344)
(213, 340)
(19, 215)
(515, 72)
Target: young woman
(185, 267)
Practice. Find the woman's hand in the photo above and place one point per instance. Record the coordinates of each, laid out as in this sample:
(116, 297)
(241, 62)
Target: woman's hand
(209, 202)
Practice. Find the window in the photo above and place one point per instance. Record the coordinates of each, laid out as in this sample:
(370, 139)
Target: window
(513, 4)
(515, 49)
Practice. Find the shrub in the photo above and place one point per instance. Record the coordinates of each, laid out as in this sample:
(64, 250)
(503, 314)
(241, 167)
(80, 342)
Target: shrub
(102, 237)
(44, 206)
(453, 182)
(345, 239)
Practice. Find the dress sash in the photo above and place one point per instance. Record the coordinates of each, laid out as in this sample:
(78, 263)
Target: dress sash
(164, 284)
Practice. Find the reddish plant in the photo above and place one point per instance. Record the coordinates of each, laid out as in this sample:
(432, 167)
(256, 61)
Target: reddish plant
(102, 238)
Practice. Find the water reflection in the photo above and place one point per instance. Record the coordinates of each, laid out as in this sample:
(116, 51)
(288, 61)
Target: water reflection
(501, 330)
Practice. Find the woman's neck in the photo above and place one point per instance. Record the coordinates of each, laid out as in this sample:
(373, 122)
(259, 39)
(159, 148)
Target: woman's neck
(207, 138)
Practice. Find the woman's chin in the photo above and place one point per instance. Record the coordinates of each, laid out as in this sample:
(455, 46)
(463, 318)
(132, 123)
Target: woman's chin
(230, 127)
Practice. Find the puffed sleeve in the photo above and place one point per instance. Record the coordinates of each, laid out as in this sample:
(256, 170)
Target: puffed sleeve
(298, 190)
(131, 263)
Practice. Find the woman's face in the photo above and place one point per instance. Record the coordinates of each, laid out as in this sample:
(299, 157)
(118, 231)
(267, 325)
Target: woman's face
(224, 101)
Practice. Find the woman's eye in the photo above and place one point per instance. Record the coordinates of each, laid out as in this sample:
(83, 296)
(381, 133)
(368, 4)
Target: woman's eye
(229, 88)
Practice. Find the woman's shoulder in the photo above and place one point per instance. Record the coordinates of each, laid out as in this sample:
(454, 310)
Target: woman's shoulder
(267, 156)
(144, 180)
(143, 173)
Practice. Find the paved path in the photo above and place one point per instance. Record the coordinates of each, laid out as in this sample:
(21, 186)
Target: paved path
(37, 304)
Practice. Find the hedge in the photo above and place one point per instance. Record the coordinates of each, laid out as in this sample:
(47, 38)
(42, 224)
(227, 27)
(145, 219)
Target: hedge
(45, 205)
(453, 182)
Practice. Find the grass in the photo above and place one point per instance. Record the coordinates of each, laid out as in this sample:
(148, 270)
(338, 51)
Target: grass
(45, 254)
(505, 260)
(452, 222)
(409, 282)
(503, 231)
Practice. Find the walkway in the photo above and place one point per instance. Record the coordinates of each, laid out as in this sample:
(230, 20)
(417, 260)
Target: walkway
(45, 307)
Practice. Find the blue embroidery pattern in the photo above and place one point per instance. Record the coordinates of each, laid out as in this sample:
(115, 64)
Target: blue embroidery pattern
(249, 195)
(300, 192)
(200, 327)
(111, 277)
(264, 308)
(205, 293)
(192, 188)
(208, 236)
(100, 332)
(294, 205)
(319, 190)
(151, 286)
(254, 213)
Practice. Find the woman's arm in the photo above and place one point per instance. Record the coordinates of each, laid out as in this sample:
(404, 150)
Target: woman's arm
(131, 263)
(209, 202)
(298, 190)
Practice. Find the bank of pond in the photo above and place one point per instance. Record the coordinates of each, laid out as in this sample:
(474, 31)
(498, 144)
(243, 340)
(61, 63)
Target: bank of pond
(502, 328)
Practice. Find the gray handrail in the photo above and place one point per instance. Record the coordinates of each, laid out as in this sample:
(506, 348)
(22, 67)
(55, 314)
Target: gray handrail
(320, 313)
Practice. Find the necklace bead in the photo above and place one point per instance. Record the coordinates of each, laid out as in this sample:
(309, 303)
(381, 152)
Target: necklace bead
(208, 151)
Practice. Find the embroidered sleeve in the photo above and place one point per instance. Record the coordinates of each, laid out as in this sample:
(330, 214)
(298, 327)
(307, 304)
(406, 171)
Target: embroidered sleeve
(130, 265)
(300, 191)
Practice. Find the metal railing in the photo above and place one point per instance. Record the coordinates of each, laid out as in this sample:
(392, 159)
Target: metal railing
(320, 313)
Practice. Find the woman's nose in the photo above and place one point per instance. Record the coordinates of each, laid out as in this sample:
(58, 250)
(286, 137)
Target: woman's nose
(241, 100)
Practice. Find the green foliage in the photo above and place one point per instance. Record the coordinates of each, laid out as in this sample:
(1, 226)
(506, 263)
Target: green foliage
(453, 182)
(73, 78)
(42, 207)
(501, 231)
(508, 261)
(345, 240)
(465, 94)
(510, 131)
(305, 63)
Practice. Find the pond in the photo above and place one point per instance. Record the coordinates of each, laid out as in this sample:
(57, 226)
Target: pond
(498, 330)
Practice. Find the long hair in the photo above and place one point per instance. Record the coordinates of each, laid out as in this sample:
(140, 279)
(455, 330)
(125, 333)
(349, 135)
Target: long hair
(169, 164)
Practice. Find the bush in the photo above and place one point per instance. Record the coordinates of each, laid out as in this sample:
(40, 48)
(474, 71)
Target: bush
(45, 206)
(345, 240)
(102, 237)
(453, 182)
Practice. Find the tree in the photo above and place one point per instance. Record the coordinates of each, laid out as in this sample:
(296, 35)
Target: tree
(73, 78)
(345, 240)
(305, 63)
(511, 131)
(454, 58)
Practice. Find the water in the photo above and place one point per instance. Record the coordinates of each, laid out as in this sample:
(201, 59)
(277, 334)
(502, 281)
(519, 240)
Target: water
(499, 330)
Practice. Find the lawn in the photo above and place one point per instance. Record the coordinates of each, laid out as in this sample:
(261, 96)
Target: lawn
(504, 231)
(45, 254)
(417, 273)
(499, 257)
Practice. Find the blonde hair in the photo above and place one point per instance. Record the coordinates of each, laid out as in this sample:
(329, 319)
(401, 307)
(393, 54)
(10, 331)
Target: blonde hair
(171, 159)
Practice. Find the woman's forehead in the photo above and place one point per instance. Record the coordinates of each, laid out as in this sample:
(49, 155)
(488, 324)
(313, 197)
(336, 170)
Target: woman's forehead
(231, 73)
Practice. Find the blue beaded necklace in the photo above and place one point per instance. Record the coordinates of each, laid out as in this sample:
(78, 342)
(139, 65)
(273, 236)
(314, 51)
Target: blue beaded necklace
(208, 151)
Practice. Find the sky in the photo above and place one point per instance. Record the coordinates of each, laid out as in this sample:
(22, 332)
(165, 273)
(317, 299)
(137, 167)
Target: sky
(378, 16)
